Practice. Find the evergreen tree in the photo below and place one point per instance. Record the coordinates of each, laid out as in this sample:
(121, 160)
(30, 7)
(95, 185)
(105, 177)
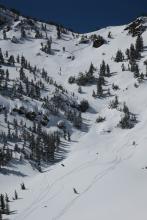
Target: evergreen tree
(22, 74)
(134, 68)
(114, 103)
(20, 89)
(119, 56)
(79, 89)
(93, 94)
(58, 32)
(11, 60)
(91, 69)
(99, 88)
(139, 44)
(125, 121)
(18, 59)
(7, 75)
(2, 202)
(23, 62)
(125, 109)
(103, 69)
(39, 129)
(128, 53)
(1, 57)
(128, 120)
(23, 33)
(109, 34)
(7, 198)
(47, 47)
(5, 115)
(142, 76)
(38, 34)
(68, 134)
(15, 195)
(6, 85)
(4, 35)
(133, 53)
(108, 71)
(23, 186)
(9, 130)
(123, 67)
(7, 54)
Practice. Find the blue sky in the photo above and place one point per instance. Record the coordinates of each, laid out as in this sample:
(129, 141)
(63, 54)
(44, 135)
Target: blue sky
(81, 15)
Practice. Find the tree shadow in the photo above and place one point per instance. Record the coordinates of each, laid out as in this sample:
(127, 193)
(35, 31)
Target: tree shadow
(145, 49)
(113, 74)
(61, 152)
(92, 110)
(10, 213)
(85, 125)
(6, 171)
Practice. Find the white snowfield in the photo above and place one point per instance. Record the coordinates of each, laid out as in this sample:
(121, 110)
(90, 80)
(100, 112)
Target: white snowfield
(103, 165)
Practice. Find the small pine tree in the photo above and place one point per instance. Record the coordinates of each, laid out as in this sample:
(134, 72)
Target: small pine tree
(119, 56)
(80, 89)
(133, 53)
(125, 109)
(103, 69)
(6, 115)
(109, 34)
(123, 67)
(15, 195)
(49, 43)
(23, 186)
(142, 76)
(114, 103)
(11, 60)
(4, 35)
(134, 69)
(139, 44)
(68, 135)
(91, 69)
(127, 53)
(99, 88)
(1, 57)
(93, 94)
(128, 120)
(58, 32)
(7, 74)
(7, 54)
(23, 33)
(18, 59)
(2, 202)
(107, 70)
(7, 198)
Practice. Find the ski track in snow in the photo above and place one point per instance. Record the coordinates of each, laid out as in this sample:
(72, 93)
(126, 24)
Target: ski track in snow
(98, 177)
(42, 197)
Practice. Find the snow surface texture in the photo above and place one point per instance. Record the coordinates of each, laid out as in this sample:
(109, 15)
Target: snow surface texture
(105, 168)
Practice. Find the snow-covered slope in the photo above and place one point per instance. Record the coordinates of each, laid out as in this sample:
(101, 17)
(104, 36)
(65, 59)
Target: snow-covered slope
(102, 174)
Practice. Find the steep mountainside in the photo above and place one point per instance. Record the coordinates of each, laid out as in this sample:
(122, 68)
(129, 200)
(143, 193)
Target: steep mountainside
(73, 121)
